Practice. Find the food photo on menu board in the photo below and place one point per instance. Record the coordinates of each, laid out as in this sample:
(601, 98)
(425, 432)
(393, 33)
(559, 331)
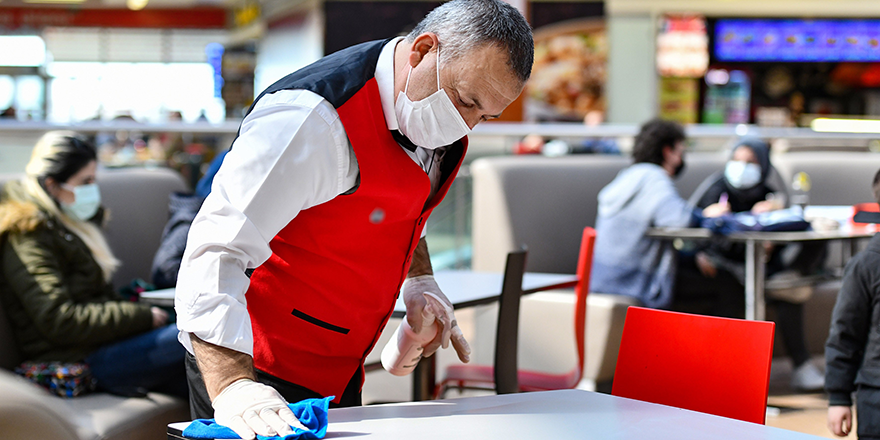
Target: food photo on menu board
(569, 73)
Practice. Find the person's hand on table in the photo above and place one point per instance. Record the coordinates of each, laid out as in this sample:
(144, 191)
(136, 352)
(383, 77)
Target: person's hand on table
(766, 206)
(248, 408)
(413, 296)
(704, 263)
(160, 317)
(716, 210)
(840, 420)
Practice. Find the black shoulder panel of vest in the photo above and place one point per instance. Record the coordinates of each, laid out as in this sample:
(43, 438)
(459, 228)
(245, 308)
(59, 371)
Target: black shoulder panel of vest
(336, 77)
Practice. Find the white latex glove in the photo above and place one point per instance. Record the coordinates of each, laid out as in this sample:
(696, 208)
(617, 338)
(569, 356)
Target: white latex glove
(250, 408)
(413, 296)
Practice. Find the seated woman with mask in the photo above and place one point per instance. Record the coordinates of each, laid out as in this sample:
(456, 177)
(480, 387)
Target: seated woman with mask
(710, 279)
(55, 268)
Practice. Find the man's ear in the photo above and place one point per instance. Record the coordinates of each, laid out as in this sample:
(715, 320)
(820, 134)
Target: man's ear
(421, 46)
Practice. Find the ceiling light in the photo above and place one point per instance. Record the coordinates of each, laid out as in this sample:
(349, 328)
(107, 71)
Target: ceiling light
(22, 50)
(846, 125)
(136, 5)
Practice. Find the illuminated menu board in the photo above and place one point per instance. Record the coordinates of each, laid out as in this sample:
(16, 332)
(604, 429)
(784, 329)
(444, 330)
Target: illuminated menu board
(797, 40)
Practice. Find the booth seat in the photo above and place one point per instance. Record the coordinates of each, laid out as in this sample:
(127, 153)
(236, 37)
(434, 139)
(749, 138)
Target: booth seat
(138, 203)
(544, 203)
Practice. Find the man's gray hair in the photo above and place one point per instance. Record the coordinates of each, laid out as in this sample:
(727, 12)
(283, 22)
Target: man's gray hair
(464, 25)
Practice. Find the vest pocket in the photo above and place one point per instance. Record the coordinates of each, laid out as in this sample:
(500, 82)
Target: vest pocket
(323, 324)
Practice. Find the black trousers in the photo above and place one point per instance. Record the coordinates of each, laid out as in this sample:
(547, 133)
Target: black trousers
(200, 404)
(868, 412)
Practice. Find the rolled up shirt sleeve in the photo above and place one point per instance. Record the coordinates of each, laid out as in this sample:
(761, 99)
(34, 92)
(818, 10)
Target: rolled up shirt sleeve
(291, 154)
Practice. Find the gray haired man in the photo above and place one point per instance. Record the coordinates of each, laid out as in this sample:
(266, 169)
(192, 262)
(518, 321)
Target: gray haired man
(316, 218)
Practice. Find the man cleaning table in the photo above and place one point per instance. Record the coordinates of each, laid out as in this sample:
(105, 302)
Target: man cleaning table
(316, 217)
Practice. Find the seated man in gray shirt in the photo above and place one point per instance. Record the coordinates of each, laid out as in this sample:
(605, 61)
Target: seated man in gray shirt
(642, 196)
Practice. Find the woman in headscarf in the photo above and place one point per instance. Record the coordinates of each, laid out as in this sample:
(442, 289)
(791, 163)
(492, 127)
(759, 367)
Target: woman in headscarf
(744, 183)
(711, 279)
(55, 271)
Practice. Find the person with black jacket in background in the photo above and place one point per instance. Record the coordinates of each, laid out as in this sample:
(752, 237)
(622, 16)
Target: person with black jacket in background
(852, 352)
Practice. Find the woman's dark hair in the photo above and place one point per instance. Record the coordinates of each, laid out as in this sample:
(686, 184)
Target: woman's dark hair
(653, 136)
(70, 154)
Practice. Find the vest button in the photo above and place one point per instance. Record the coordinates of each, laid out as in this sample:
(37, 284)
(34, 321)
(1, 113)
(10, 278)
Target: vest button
(377, 216)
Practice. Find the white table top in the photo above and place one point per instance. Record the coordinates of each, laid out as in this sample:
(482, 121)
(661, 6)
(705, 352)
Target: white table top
(161, 294)
(558, 415)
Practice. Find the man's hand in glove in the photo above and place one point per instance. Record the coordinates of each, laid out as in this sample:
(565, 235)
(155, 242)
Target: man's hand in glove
(250, 408)
(413, 296)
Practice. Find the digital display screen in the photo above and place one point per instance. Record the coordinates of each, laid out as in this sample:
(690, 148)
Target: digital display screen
(797, 40)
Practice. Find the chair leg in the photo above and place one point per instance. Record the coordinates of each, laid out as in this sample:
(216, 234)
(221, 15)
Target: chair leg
(440, 391)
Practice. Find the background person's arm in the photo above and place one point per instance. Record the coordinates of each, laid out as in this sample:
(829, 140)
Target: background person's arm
(34, 269)
(670, 210)
(850, 330)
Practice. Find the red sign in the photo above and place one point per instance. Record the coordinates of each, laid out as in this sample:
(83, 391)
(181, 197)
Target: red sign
(38, 18)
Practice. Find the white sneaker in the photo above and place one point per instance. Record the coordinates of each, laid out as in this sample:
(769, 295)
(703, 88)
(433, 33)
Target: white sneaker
(807, 377)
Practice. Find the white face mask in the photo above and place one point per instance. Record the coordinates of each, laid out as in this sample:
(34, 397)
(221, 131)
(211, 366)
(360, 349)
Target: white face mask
(87, 200)
(741, 174)
(432, 122)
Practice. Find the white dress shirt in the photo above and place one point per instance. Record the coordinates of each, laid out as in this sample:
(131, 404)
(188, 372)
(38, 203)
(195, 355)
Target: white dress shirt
(292, 153)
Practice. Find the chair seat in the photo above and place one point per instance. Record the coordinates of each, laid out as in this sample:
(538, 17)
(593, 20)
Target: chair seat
(474, 376)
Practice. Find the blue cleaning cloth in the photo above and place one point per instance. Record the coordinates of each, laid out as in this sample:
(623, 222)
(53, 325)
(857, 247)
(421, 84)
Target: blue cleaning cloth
(312, 413)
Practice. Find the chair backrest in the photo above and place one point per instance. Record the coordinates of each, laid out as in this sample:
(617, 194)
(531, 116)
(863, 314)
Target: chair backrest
(506, 338)
(718, 366)
(581, 290)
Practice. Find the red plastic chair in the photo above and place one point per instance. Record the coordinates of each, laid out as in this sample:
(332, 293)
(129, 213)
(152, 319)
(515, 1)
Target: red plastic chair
(718, 366)
(482, 376)
(538, 381)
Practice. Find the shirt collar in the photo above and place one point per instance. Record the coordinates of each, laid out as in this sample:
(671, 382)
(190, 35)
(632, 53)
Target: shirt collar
(385, 81)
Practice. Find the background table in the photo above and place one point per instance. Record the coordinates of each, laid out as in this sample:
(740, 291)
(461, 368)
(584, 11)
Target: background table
(466, 288)
(161, 297)
(557, 415)
(754, 282)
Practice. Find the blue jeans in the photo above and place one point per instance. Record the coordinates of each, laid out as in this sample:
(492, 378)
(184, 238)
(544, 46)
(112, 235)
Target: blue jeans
(151, 361)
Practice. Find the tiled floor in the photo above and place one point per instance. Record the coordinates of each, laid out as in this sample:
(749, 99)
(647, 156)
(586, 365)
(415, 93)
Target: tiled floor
(802, 413)
(799, 412)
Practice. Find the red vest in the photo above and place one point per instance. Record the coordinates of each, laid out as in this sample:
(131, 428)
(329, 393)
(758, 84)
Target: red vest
(319, 303)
